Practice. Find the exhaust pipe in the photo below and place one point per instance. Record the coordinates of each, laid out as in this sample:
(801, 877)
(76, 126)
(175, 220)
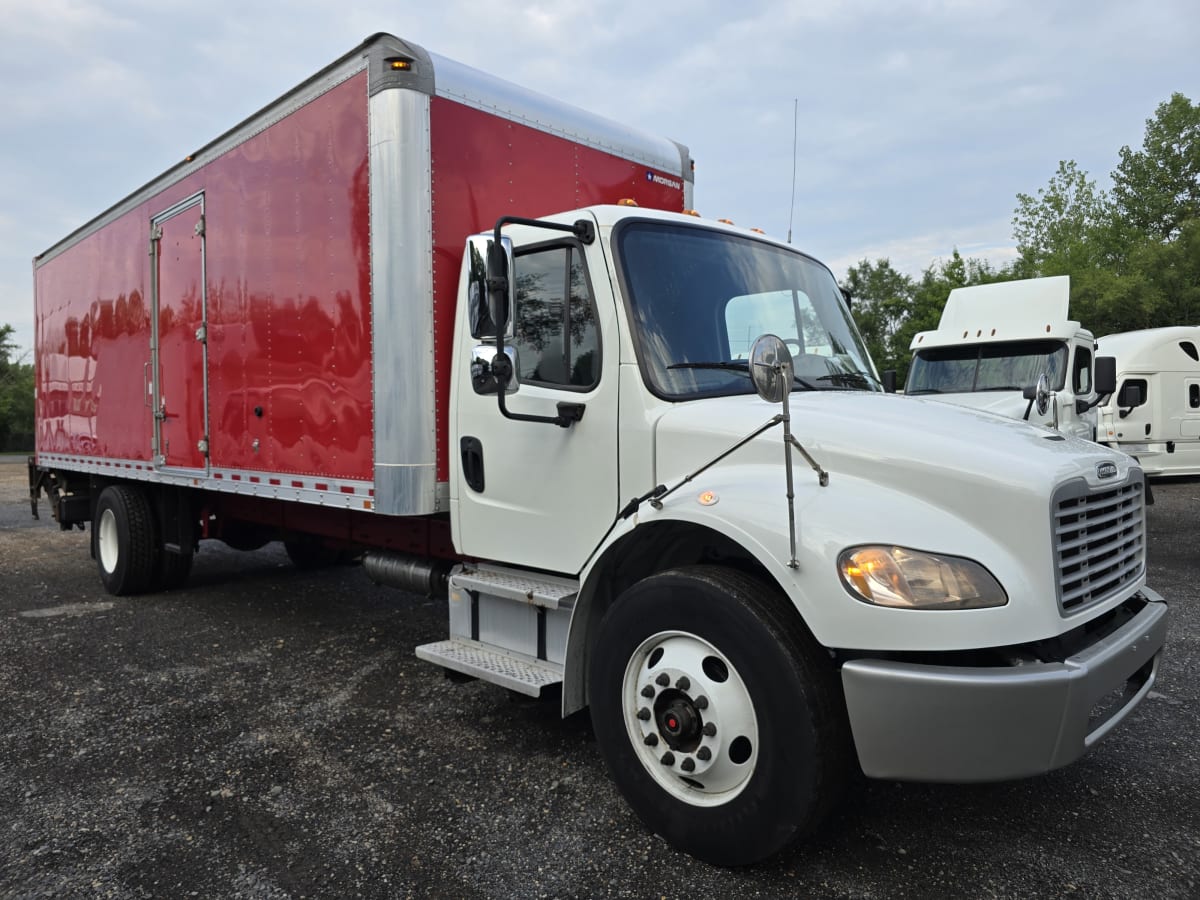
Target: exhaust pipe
(416, 574)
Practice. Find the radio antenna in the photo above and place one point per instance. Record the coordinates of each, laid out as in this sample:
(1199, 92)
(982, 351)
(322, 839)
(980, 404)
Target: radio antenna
(795, 126)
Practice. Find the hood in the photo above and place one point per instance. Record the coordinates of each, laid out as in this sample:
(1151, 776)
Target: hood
(918, 446)
(1009, 404)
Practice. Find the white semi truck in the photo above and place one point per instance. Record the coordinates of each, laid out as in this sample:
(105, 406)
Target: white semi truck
(755, 567)
(1009, 348)
(1154, 414)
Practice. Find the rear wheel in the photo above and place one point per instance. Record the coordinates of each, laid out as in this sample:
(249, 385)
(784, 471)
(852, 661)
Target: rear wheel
(719, 716)
(125, 541)
(172, 569)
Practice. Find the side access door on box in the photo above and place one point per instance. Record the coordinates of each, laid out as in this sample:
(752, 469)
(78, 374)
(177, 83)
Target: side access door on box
(179, 350)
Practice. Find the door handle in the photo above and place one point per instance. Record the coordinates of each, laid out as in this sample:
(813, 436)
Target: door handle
(472, 463)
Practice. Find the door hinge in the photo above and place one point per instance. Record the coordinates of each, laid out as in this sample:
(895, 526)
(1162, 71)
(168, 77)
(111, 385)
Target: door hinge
(202, 334)
(200, 227)
(202, 446)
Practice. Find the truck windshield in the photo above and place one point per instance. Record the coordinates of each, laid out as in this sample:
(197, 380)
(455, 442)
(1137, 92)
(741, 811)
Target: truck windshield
(987, 367)
(698, 299)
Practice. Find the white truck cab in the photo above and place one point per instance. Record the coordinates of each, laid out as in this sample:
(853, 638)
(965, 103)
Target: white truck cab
(749, 561)
(998, 344)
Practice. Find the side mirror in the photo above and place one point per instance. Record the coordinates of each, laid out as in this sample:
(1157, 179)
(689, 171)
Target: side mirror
(481, 310)
(500, 283)
(771, 368)
(1106, 375)
(846, 295)
(1130, 396)
(889, 381)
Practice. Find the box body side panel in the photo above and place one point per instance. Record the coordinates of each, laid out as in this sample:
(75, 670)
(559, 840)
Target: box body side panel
(286, 234)
(486, 166)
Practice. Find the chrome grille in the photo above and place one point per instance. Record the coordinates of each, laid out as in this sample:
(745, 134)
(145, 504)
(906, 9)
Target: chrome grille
(1099, 540)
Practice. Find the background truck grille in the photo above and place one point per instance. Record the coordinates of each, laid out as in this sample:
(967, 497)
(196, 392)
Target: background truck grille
(1099, 540)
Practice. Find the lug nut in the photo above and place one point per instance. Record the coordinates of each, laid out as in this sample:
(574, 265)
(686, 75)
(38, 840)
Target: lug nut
(651, 740)
(648, 691)
(700, 703)
(709, 728)
(668, 758)
(663, 679)
(688, 765)
(704, 754)
(683, 684)
(644, 714)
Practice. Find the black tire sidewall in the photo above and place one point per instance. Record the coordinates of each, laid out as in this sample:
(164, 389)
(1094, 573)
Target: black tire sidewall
(134, 525)
(781, 799)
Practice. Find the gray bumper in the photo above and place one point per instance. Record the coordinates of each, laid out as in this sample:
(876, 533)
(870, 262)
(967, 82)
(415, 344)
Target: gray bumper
(945, 723)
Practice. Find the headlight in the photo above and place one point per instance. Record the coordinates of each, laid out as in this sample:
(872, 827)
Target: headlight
(910, 579)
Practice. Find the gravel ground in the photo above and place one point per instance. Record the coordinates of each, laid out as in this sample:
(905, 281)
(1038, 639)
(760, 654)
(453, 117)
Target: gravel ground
(269, 733)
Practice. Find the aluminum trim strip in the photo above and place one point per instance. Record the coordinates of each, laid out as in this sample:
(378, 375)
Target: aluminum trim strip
(402, 310)
(316, 490)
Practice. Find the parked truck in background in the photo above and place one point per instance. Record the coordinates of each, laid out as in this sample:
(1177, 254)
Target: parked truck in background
(1009, 348)
(1154, 414)
(340, 325)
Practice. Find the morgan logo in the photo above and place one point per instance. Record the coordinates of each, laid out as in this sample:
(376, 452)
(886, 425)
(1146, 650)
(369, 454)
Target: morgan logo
(655, 178)
(1106, 470)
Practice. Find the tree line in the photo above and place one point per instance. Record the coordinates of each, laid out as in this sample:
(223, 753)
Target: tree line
(1133, 252)
(16, 396)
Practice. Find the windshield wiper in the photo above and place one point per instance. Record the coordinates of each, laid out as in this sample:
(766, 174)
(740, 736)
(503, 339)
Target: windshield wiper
(733, 365)
(924, 391)
(852, 378)
(738, 365)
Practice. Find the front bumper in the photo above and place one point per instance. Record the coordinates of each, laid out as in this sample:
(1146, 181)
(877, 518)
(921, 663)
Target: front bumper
(919, 722)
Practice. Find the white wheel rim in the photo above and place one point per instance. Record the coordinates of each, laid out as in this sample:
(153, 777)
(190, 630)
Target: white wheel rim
(710, 757)
(106, 543)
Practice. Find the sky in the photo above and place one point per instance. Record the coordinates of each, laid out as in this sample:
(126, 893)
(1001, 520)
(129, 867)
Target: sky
(919, 121)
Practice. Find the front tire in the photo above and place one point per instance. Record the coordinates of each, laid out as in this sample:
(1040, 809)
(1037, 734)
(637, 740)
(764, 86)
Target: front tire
(719, 716)
(125, 541)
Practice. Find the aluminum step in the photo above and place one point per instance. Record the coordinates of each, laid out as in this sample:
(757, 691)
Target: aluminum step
(526, 676)
(540, 590)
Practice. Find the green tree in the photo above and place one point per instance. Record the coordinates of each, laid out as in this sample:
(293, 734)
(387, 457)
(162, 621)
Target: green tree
(16, 396)
(881, 300)
(1061, 230)
(1134, 256)
(1157, 189)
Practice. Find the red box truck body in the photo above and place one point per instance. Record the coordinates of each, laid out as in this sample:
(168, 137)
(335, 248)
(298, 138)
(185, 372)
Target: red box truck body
(271, 318)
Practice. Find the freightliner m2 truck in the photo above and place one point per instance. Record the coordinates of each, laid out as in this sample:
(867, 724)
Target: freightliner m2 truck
(415, 313)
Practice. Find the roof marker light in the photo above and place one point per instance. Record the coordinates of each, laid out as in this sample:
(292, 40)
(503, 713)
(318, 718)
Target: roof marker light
(627, 201)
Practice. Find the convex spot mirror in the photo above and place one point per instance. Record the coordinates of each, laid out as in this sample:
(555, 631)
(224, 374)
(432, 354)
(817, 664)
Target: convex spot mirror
(1039, 393)
(490, 295)
(771, 368)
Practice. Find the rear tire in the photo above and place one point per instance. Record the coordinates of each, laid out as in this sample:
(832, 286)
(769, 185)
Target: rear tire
(720, 718)
(125, 540)
(172, 569)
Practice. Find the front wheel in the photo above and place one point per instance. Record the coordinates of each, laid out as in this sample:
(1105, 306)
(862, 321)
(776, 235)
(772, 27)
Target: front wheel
(719, 717)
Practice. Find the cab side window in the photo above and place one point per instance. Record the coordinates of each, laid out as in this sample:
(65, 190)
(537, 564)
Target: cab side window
(1081, 376)
(555, 331)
